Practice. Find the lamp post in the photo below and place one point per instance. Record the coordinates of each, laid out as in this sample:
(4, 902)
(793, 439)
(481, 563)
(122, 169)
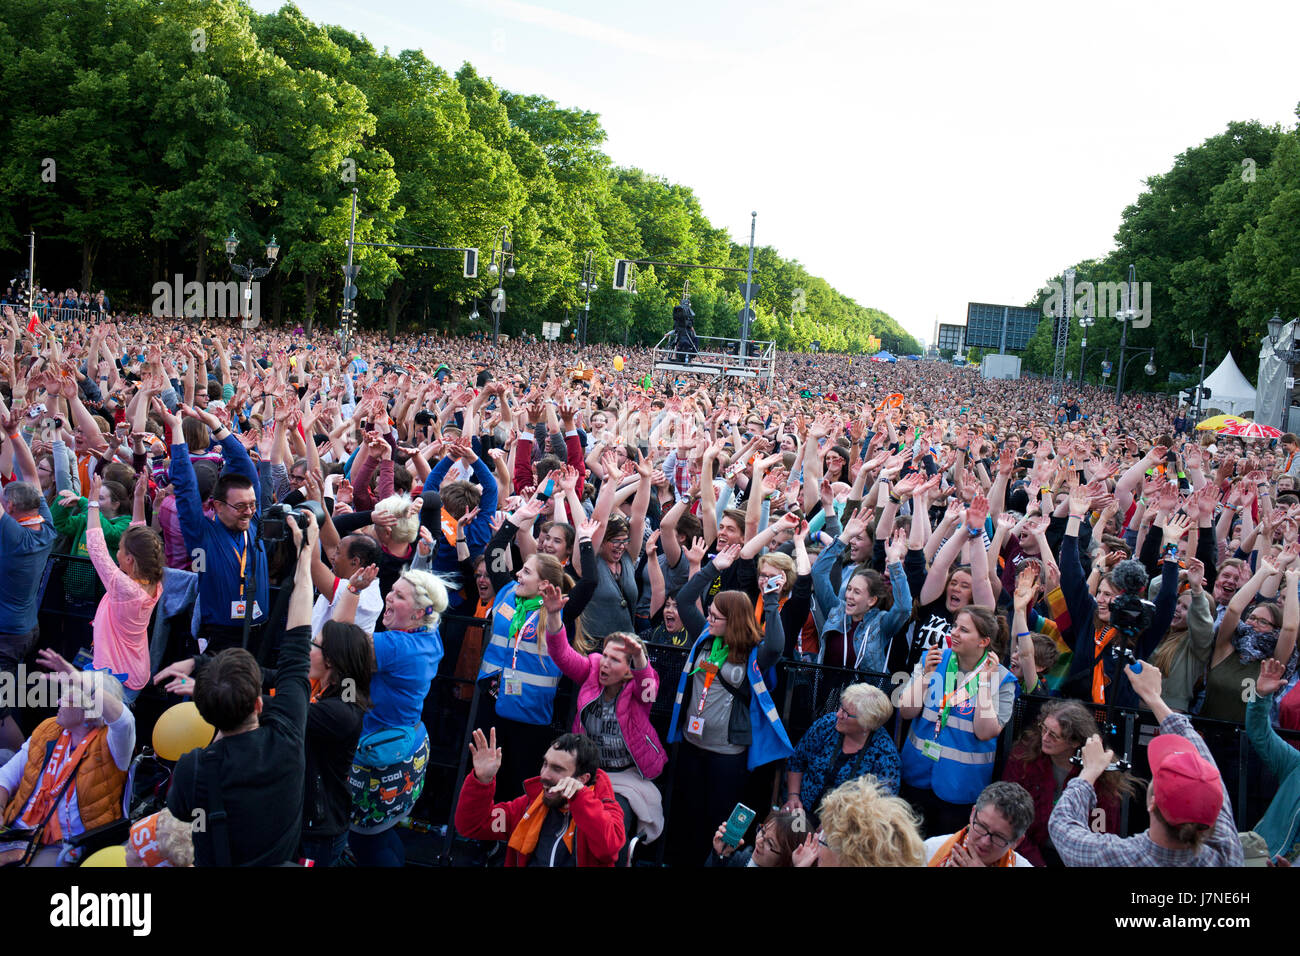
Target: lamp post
(1126, 315)
(1288, 355)
(586, 285)
(1086, 321)
(501, 265)
(1149, 368)
(248, 271)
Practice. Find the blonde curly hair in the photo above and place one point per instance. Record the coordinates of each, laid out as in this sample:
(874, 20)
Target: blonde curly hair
(429, 591)
(865, 826)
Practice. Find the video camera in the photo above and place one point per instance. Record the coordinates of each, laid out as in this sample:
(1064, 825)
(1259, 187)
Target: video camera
(276, 519)
(1130, 613)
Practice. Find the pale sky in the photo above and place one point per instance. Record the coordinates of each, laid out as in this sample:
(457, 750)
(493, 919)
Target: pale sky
(917, 156)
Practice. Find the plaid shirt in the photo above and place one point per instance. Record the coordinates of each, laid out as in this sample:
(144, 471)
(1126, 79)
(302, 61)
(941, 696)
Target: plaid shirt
(1078, 845)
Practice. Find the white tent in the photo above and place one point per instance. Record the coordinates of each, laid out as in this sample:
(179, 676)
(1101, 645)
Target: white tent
(1229, 390)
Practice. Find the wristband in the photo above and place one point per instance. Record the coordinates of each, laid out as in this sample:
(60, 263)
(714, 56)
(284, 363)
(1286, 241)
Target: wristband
(975, 532)
(1078, 517)
(92, 504)
(1025, 634)
(353, 589)
(894, 498)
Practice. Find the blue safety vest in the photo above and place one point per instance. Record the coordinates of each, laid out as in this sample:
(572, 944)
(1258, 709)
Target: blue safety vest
(531, 666)
(965, 766)
(770, 741)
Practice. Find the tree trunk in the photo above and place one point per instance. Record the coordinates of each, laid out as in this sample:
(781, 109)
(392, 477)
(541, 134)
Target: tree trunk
(310, 283)
(277, 297)
(89, 252)
(394, 300)
(201, 259)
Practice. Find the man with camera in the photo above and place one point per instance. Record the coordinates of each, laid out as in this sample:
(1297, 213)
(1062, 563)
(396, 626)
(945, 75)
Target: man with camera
(1123, 626)
(228, 552)
(1191, 815)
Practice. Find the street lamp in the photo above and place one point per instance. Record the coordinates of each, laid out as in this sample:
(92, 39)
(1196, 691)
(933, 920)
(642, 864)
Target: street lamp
(1126, 315)
(1086, 321)
(248, 271)
(501, 265)
(587, 285)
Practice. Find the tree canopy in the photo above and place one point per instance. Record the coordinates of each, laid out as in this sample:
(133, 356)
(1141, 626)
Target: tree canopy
(1218, 239)
(138, 134)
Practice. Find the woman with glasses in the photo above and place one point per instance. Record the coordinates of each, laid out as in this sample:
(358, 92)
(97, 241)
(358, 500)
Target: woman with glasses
(1040, 762)
(862, 825)
(724, 713)
(840, 746)
(774, 843)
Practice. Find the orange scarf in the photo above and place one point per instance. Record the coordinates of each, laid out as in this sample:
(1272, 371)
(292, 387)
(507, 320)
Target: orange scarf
(758, 608)
(940, 857)
(51, 784)
(449, 528)
(524, 840)
(1099, 681)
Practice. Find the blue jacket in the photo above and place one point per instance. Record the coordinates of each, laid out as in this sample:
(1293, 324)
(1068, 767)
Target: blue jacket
(533, 667)
(219, 577)
(770, 741)
(965, 766)
(479, 531)
(882, 625)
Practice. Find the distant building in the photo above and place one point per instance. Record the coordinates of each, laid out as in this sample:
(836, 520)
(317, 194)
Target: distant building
(1000, 328)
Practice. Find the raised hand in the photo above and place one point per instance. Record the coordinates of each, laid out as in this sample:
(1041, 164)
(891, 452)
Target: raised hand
(486, 755)
(724, 558)
(696, 552)
(553, 599)
(1176, 526)
(1270, 680)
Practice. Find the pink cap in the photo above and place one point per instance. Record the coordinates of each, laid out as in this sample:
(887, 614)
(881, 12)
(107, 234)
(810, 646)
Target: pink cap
(1188, 787)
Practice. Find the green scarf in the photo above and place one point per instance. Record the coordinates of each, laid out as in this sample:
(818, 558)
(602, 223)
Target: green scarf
(523, 607)
(717, 654)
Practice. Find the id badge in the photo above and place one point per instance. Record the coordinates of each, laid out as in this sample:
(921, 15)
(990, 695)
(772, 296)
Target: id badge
(237, 610)
(931, 749)
(695, 726)
(511, 686)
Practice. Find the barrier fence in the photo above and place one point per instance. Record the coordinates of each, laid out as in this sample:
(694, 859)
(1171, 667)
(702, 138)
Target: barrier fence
(70, 592)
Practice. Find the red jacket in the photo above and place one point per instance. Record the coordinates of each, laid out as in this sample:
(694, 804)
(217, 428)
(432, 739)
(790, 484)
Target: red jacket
(599, 818)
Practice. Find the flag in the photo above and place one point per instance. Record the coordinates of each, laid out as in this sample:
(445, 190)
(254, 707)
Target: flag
(34, 324)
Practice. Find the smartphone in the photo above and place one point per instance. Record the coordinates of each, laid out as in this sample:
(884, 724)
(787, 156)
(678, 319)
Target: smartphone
(737, 824)
(773, 585)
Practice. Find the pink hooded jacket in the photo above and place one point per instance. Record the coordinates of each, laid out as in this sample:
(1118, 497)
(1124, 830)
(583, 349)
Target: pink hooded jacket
(633, 706)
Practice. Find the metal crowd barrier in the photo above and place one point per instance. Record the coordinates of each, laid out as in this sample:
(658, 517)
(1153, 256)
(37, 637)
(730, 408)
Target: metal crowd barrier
(70, 591)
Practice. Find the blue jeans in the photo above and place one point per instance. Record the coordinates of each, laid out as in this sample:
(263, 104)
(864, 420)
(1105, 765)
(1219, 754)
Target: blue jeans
(378, 849)
(324, 850)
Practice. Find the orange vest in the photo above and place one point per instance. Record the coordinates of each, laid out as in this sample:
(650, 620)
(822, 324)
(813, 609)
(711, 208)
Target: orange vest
(98, 784)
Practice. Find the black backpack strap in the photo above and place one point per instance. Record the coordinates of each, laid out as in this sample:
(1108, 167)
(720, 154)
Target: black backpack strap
(207, 792)
(30, 852)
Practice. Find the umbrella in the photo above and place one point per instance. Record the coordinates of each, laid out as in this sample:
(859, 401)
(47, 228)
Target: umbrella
(1217, 423)
(1251, 430)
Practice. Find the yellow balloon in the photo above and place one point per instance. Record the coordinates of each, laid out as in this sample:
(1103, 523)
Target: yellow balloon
(179, 730)
(618, 363)
(108, 856)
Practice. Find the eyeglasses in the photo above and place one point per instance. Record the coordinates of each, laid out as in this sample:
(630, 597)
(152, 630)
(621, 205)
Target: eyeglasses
(1052, 735)
(997, 839)
(247, 508)
(318, 644)
(296, 479)
(849, 714)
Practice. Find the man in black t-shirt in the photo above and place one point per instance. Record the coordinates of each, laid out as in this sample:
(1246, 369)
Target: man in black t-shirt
(253, 771)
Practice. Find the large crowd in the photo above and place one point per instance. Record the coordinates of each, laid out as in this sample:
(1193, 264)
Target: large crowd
(921, 560)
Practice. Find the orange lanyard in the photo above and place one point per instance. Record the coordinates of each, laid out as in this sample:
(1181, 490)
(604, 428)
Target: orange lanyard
(243, 560)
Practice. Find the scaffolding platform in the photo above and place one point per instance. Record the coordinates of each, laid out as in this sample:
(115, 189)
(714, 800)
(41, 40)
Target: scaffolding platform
(718, 358)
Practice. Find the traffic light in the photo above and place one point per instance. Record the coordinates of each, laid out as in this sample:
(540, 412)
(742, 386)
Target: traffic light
(471, 263)
(621, 270)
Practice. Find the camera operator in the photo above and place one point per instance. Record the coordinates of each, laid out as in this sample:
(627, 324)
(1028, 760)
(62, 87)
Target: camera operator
(1118, 620)
(1191, 815)
(228, 545)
